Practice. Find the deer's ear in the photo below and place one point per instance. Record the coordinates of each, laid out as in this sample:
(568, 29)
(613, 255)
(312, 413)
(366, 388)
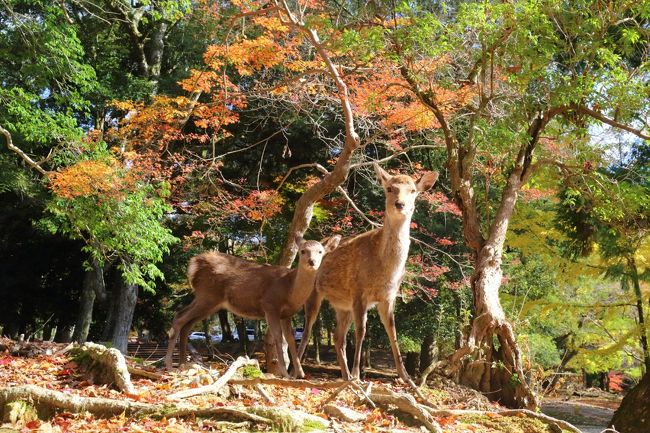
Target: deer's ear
(331, 243)
(298, 240)
(382, 175)
(427, 181)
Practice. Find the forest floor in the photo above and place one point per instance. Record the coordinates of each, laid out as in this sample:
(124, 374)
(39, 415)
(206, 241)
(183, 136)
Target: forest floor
(47, 373)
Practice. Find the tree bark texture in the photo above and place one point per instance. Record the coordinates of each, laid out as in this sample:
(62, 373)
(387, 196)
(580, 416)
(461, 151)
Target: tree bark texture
(633, 415)
(125, 307)
(93, 283)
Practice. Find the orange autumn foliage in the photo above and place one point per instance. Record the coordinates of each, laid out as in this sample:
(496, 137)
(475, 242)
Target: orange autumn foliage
(383, 93)
(258, 205)
(103, 179)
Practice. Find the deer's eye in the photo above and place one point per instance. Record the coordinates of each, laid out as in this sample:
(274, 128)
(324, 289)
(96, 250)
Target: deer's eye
(320, 252)
(412, 191)
(302, 252)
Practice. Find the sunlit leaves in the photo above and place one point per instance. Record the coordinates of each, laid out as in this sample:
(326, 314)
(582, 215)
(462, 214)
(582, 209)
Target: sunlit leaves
(100, 179)
(118, 215)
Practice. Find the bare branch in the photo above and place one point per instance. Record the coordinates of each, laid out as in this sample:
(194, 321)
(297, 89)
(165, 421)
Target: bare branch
(22, 154)
(394, 155)
(611, 122)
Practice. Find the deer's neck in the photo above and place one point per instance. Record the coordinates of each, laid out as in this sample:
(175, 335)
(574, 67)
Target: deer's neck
(303, 283)
(394, 241)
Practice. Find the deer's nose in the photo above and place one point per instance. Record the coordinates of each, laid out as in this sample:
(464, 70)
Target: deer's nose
(399, 205)
(311, 262)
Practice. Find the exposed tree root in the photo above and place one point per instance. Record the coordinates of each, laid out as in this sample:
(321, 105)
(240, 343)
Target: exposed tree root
(104, 365)
(405, 403)
(219, 383)
(47, 403)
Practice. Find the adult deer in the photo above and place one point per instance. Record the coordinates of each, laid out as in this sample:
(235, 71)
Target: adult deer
(250, 290)
(367, 270)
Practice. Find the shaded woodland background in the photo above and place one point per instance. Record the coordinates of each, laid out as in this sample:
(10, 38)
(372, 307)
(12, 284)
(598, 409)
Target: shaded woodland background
(137, 134)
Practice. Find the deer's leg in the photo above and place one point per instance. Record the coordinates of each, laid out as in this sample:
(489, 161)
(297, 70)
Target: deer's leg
(387, 316)
(360, 318)
(343, 320)
(275, 328)
(196, 314)
(296, 367)
(180, 320)
(312, 306)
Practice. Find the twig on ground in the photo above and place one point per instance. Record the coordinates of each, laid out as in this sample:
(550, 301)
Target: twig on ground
(135, 371)
(336, 393)
(359, 391)
(260, 388)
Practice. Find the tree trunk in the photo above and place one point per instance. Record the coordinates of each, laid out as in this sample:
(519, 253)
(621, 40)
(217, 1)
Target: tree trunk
(504, 383)
(412, 363)
(156, 50)
(226, 332)
(318, 335)
(640, 313)
(633, 415)
(93, 283)
(63, 333)
(428, 352)
(112, 302)
(85, 314)
(47, 331)
(491, 341)
(124, 309)
(243, 337)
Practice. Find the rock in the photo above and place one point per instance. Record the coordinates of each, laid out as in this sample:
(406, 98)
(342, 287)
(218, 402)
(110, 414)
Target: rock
(344, 413)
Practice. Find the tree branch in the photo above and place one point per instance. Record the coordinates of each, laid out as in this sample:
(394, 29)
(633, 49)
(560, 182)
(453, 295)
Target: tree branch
(23, 155)
(611, 122)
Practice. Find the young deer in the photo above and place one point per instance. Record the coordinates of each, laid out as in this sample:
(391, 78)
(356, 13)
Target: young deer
(250, 290)
(367, 270)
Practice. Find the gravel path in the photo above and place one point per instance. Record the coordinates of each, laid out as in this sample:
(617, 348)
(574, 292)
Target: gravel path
(588, 418)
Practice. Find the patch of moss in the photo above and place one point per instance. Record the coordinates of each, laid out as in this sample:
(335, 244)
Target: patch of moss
(251, 372)
(436, 395)
(312, 424)
(286, 421)
(508, 424)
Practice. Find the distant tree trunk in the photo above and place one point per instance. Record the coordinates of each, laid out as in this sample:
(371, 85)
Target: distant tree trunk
(412, 363)
(64, 333)
(633, 415)
(428, 352)
(111, 306)
(124, 309)
(243, 337)
(47, 331)
(226, 332)
(365, 355)
(92, 284)
(640, 312)
(318, 335)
